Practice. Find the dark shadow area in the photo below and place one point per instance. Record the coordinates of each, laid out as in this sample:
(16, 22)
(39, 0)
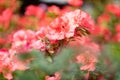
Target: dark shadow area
(25, 3)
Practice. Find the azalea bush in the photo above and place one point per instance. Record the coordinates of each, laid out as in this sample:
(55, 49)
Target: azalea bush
(80, 41)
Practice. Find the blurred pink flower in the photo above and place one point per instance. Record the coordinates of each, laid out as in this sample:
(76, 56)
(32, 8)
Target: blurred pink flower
(36, 11)
(88, 57)
(102, 31)
(22, 40)
(87, 60)
(78, 41)
(55, 77)
(8, 64)
(75, 3)
(117, 28)
(54, 9)
(88, 67)
(5, 18)
(66, 9)
(114, 9)
(2, 40)
(116, 37)
(103, 18)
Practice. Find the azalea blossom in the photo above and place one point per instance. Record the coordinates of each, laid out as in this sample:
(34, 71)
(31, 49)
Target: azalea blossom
(65, 25)
(5, 18)
(22, 40)
(117, 28)
(54, 9)
(114, 9)
(36, 11)
(88, 58)
(116, 38)
(75, 3)
(55, 77)
(103, 18)
(9, 64)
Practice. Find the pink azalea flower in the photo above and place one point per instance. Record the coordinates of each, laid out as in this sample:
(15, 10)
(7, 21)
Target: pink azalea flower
(78, 41)
(9, 64)
(55, 77)
(5, 18)
(66, 9)
(41, 33)
(2, 41)
(75, 3)
(102, 31)
(56, 31)
(114, 9)
(88, 67)
(54, 9)
(103, 18)
(38, 45)
(117, 28)
(22, 40)
(88, 58)
(116, 37)
(36, 11)
(107, 34)
(64, 26)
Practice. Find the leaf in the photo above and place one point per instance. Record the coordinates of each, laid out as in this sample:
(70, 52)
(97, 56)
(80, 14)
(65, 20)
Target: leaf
(111, 54)
(60, 61)
(27, 75)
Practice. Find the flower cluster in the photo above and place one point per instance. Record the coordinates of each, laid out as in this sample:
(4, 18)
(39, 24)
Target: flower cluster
(107, 25)
(48, 37)
(63, 28)
(9, 63)
(51, 29)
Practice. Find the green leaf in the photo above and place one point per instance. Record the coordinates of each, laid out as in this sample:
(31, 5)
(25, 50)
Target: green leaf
(60, 61)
